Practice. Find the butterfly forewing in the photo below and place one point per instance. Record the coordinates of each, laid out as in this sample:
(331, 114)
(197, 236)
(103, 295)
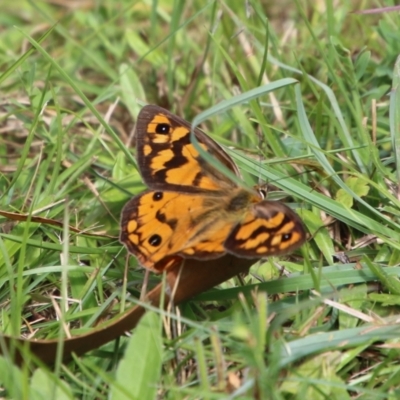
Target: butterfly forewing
(157, 225)
(169, 161)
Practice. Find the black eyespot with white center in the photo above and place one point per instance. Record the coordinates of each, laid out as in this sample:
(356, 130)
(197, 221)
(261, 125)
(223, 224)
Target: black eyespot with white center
(286, 237)
(163, 129)
(157, 196)
(155, 240)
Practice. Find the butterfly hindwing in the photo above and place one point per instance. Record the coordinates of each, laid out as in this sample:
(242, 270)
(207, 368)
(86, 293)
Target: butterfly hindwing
(269, 228)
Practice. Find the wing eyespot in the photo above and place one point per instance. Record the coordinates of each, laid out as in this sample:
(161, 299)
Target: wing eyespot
(286, 237)
(157, 196)
(155, 240)
(163, 129)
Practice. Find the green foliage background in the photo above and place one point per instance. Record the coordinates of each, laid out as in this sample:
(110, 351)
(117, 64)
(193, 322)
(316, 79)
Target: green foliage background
(321, 126)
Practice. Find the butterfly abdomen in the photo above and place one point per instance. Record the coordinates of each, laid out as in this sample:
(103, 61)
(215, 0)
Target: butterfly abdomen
(240, 201)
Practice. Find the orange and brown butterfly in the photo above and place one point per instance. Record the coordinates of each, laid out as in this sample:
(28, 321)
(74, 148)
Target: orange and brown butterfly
(193, 210)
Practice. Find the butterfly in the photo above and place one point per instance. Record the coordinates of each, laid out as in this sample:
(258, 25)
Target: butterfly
(192, 209)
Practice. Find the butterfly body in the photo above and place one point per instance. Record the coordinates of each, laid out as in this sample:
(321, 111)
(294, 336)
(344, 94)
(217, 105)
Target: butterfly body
(192, 209)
